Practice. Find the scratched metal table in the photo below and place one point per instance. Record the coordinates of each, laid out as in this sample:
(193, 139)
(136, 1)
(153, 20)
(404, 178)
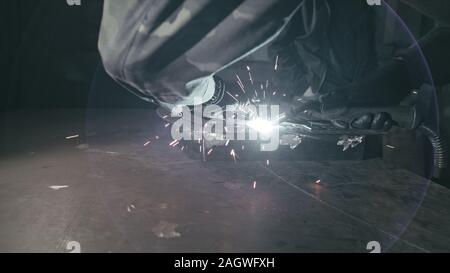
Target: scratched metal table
(106, 190)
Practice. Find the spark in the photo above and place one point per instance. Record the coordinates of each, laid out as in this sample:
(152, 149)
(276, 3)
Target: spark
(276, 63)
(232, 96)
(267, 162)
(233, 154)
(174, 143)
(241, 85)
(182, 148)
(71, 137)
(250, 74)
(243, 147)
(390, 146)
(146, 143)
(274, 93)
(156, 137)
(318, 181)
(167, 125)
(254, 184)
(228, 142)
(210, 151)
(166, 116)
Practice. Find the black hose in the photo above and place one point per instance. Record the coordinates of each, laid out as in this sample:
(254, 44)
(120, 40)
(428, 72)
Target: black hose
(439, 147)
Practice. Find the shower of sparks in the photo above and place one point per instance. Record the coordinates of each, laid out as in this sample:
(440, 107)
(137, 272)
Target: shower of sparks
(74, 136)
(232, 96)
(210, 151)
(241, 85)
(146, 143)
(390, 146)
(233, 154)
(254, 184)
(276, 63)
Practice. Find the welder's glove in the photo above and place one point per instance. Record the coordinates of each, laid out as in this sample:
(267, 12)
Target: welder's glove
(219, 98)
(333, 107)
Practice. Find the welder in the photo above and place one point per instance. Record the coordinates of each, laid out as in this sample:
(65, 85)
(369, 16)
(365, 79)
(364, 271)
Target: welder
(169, 51)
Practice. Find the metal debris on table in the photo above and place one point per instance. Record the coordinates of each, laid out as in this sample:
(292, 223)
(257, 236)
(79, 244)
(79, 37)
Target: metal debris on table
(57, 187)
(350, 141)
(166, 230)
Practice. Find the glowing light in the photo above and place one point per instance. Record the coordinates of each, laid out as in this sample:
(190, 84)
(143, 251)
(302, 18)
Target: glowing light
(260, 125)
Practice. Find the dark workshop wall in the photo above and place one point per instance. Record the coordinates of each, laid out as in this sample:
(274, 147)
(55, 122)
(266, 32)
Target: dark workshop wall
(49, 55)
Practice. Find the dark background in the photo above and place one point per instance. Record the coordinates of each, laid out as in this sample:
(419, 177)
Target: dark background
(49, 57)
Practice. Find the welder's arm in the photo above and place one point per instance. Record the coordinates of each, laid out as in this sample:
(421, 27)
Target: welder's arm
(170, 50)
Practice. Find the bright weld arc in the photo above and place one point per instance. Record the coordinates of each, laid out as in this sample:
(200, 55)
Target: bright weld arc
(261, 125)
